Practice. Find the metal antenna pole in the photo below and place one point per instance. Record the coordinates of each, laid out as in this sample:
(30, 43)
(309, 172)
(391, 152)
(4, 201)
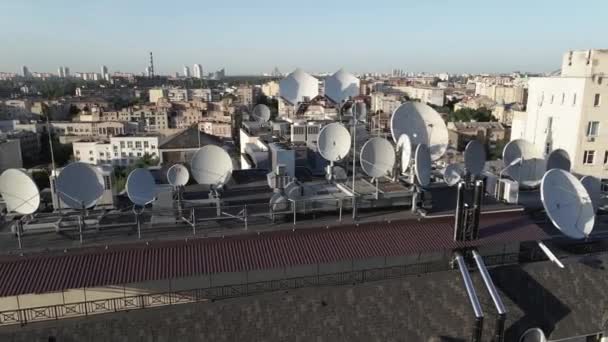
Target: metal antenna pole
(354, 167)
(54, 170)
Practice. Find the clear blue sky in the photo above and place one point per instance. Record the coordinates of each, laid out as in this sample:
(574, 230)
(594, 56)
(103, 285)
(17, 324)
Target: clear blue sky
(254, 36)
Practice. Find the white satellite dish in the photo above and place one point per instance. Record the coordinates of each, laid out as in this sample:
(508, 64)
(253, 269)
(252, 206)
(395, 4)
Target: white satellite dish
(452, 174)
(79, 186)
(341, 86)
(377, 157)
(333, 142)
(19, 192)
(532, 166)
(178, 175)
(261, 113)
(474, 157)
(567, 203)
(422, 165)
(211, 165)
(404, 147)
(141, 187)
(423, 125)
(559, 159)
(594, 188)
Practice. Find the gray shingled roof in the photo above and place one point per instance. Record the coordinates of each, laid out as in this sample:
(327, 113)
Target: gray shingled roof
(189, 139)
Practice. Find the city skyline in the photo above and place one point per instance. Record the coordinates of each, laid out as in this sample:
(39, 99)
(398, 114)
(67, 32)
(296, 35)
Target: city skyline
(468, 37)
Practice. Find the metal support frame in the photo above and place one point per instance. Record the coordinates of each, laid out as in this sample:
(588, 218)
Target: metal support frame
(499, 334)
(472, 294)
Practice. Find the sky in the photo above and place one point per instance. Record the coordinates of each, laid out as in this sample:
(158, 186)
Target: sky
(254, 36)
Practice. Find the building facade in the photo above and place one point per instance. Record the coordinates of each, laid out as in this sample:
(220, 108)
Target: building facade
(571, 112)
(119, 151)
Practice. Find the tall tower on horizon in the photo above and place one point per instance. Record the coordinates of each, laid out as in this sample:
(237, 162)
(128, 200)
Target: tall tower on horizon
(151, 66)
(198, 71)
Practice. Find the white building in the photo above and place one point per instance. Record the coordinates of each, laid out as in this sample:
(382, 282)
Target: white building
(186, 71)
(434, 96)
(120, 151)
(198, 71)
(571, 112)
(384, 102)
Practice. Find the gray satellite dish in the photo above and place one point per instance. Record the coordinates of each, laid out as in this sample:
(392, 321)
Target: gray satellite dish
(279, 202)
(79, 186)
(261, 113)
(594, 189)
(529, 171)
(211, 165)
(19, 192)
(377, 157)
(360, 111)
(141, 187)
(423, 125)
(567, 203)
(404, 146)
(474, 157)
(178, 175)
(293, 191)
(533, 335)
(452, 174)
(559, 159)
(422, 165)
(339, 174)
(334, 142)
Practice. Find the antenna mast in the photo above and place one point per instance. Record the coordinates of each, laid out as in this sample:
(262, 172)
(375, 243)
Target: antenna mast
(151, 65)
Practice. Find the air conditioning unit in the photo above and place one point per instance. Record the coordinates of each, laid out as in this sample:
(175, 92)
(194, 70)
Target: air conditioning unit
(509, 191)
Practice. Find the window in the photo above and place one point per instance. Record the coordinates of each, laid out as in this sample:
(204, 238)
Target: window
(130, 154)
(123, 154)
(596, 100)
(129, 144)
(139, 154)
(588, 157)
(101, 154)
(599, 80)
(77, 152)
(122, 144)
(115, 147)
(593, 128)
(552, 98)
(146, 144)
(91, 159)
(106, 183)
(90, 152)
(563, 98)
(574, 99)
(138, 144)
(115, 154)
(153, 147)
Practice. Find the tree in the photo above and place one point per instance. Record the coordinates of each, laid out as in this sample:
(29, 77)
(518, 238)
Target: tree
(468, 114)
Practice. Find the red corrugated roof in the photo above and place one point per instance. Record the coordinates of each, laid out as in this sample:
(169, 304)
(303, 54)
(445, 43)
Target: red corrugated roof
(136, 263)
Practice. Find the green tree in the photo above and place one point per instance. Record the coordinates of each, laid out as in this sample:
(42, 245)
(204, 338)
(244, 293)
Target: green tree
(468, 114)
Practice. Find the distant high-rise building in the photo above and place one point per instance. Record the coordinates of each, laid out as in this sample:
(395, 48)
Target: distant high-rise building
(198, 71)
(104, 73)
(66, 72)
(186, 71)
(25, 72)
(61, 72)
(150, 68)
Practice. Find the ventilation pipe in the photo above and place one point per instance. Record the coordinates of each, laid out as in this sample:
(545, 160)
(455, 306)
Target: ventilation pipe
(478, 197)
(468, 284)
(499, 334)
(459, 216)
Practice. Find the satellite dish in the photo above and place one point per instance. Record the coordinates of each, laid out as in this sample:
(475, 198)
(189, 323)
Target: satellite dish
(567, 203)
(341, 86)
(339, 173)
(19, 192)
(533, 335)
(79, 186)
(141, 187)
(278, 202)
(261, 113)
(532, 165)
(452, 174)
(404, 145)
(211, 165)
(360, 111)
(333, 142)
(422, 165)
(377, 157)
(474, 157)
(178, 175)
(594, 189)
(559, 159)
(423, 125)
(293, 191)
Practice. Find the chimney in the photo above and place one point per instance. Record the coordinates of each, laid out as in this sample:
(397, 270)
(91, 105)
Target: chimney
(468, 284)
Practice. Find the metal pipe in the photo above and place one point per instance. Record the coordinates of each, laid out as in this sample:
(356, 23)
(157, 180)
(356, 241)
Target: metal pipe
(458, 218)
(500, 307)
(477, 199)
(468, 284)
